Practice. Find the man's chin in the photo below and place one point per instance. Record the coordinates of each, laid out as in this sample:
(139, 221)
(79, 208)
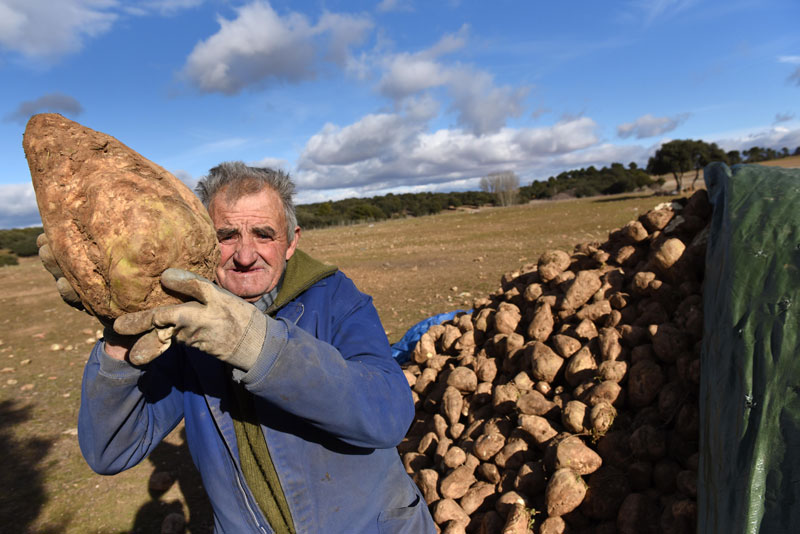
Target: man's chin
(250, 290)
(248, 294)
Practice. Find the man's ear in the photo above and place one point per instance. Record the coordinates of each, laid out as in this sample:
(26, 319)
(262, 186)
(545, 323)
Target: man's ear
(293, 244)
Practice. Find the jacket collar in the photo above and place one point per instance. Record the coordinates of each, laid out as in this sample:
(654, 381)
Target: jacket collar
(302, 272)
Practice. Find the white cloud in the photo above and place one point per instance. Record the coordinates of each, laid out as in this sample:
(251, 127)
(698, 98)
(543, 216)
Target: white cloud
(186, 177)
(396, 150)
(345, 31)
(168, 7)
(480, 106)
(793, 78)
(47, 30)
(386, 6)
(52, 102)
(650, 10)
(538, 112)
(258, 44)
(448, 44)
(408, 74)
(775, 137)
(422, 108)
(376, 136)
(261, 47)
(381, 137)
(451, 160)
(650, 126)
(18, 207)
(161, 7)
(271, 163)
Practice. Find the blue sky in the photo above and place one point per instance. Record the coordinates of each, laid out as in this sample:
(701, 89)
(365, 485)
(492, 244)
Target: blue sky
(358, 98)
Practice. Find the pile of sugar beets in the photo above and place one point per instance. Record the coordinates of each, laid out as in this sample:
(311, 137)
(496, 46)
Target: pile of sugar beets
(567, 400)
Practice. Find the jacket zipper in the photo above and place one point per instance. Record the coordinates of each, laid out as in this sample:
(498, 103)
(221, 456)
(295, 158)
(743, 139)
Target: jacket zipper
(247, 502)
(242, 491)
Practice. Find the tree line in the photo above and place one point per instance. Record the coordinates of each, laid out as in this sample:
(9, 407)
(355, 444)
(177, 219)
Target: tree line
(497, 189)
(590, 181)
(686, 155)
(350, 210)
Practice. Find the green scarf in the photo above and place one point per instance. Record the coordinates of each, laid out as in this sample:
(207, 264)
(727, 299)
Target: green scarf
(302, 271)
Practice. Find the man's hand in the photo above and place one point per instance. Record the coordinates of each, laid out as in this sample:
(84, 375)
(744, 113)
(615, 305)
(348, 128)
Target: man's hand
(65, 289)
(214, 321)
(116, 346)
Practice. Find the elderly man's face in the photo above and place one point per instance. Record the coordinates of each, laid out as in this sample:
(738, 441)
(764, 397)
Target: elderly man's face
(252, 236)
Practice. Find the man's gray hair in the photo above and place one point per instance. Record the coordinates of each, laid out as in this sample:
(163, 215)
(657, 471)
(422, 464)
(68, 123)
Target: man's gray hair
(234, 179)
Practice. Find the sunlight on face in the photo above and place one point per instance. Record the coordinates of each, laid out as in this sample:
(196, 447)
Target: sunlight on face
(253, 241)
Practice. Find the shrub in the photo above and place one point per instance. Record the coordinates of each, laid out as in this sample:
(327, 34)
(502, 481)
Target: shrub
(8, 259)
(21, 241)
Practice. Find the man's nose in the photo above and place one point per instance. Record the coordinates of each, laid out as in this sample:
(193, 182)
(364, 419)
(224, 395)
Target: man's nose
(245, 253)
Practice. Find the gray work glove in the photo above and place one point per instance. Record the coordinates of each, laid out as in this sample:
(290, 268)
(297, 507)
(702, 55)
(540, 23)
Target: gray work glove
(215, 321)
(65, 289)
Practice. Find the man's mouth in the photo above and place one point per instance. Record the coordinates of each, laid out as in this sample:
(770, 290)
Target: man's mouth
(246, 271)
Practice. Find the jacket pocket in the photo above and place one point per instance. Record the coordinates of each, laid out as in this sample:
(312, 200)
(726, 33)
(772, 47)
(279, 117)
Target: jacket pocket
(412, 519)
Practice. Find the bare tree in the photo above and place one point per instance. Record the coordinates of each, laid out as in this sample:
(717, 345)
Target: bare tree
(504, 185)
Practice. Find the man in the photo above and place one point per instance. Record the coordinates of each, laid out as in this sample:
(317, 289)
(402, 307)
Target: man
(292, 402)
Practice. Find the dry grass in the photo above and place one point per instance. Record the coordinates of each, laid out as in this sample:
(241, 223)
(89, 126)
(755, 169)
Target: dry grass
(415, 268)
(792, 162)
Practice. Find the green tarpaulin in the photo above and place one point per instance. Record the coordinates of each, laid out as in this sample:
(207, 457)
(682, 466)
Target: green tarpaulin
(749, 477)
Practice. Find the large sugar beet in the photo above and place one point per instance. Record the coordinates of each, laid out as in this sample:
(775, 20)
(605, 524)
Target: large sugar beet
(115, 221)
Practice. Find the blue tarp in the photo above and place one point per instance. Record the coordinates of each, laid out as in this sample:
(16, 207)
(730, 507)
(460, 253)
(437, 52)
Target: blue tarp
(401, 351)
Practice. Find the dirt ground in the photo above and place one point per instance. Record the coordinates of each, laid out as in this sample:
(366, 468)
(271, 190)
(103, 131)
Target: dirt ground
(413, 268)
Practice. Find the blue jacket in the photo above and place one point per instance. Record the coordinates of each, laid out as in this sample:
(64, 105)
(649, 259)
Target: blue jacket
(331, 400)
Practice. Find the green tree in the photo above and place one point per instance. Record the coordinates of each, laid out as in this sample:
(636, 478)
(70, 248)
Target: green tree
(364, 211)
(325, 209)
(673, 158)
(586, 189)
(704, 153)
(734, 157)
(754, 154)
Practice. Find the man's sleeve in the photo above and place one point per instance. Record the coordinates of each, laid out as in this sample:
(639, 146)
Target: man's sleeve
(125, 411)
(350, 387)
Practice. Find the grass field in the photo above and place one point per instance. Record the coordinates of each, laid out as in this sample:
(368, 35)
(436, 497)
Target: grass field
(792, 162)
(413, 268)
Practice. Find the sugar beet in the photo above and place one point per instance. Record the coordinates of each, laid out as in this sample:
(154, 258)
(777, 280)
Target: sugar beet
(114, 220)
